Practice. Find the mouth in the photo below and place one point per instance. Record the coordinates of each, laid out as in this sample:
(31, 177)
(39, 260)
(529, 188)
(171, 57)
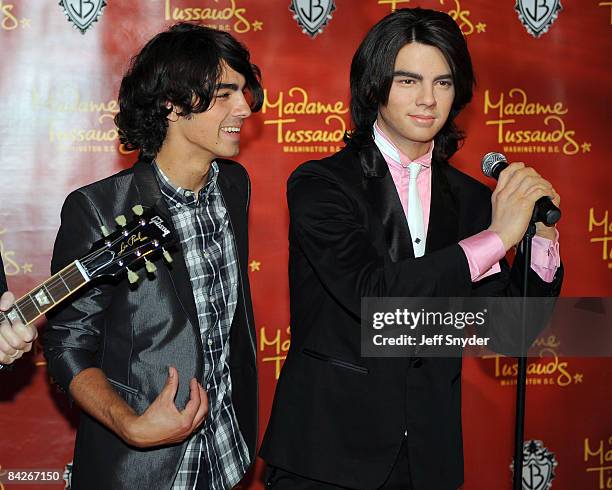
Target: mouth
(422, 119)
(231, 130)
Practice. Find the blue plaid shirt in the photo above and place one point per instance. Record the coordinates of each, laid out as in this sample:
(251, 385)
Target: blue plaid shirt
(202, 224)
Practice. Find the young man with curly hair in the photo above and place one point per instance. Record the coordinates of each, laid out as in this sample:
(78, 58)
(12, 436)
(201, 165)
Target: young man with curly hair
(388, 216)
(165, 372)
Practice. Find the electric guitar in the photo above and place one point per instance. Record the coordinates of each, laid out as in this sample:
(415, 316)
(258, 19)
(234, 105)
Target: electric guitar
(147, 235)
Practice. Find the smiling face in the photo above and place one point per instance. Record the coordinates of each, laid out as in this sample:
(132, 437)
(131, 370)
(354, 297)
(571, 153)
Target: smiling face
(215, 133)
(420, 99)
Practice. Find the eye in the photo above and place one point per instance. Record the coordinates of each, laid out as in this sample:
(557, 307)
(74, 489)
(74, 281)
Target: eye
(223, 95)
(445, 83)
(407, 81)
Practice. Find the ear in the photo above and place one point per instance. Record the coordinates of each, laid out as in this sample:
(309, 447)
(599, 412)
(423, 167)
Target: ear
(172, 115)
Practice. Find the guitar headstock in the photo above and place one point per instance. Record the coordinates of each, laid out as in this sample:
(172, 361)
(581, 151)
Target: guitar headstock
(146, 235)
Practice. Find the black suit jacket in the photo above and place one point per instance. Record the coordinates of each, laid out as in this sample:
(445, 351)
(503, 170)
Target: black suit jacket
(341, 418)
(134, 334)
(3, 286)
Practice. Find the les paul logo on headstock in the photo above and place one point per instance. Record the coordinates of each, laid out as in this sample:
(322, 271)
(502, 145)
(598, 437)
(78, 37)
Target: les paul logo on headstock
(129, 243)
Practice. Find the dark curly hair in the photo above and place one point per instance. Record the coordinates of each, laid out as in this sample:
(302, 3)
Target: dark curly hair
(374, 62)
(181, 66)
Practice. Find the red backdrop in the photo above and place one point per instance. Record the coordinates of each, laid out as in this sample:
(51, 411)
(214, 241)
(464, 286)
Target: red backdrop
(544, 101)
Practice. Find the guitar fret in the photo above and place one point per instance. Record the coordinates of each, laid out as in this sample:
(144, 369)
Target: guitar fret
(72, 277)
(44, 288)
(57, 288)
(18, 311)
(28, 310)
(34, 302)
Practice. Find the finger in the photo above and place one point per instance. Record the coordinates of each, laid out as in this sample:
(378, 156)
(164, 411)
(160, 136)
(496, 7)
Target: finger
(168, 393)
(536, 194)
(27, 333)
(555, 198)
(194, 401)
(202, 410)
(11, 337)
(519, 179)
(6, 300)
(6, 350)
(507, 173)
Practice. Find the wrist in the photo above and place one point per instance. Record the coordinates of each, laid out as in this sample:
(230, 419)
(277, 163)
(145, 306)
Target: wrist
(506, 241)
(126, 426)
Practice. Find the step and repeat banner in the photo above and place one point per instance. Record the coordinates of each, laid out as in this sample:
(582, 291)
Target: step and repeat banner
(543, 97)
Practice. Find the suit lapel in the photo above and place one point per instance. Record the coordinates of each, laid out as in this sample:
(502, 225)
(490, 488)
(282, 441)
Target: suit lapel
(382, 195)
(150, 196)
(233, 202)
(443, 228)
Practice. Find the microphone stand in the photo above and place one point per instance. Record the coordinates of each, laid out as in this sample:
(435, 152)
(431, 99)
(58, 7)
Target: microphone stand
(521, 377)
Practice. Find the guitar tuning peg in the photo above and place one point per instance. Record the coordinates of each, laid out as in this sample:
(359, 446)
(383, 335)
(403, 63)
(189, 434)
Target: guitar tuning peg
(167, 256)
(132, 276)
(138, 210)
(121, 221)
(104, 230)
(150, 266)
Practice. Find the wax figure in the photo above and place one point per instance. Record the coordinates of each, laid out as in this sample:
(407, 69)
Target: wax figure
(390, 216)
(164, 371)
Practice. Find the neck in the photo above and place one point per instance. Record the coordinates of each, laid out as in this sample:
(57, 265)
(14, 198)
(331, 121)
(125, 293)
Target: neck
(411, 149)
(186, 171)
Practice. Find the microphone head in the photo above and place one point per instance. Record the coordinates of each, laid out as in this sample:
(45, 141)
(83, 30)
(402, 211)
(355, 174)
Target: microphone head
(490, 161)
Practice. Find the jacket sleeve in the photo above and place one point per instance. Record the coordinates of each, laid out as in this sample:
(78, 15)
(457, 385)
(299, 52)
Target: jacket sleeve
(3, 286)
(326, 226)
(74, 330)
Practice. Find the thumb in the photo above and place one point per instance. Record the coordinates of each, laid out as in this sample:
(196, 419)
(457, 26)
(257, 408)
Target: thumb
(171, 386)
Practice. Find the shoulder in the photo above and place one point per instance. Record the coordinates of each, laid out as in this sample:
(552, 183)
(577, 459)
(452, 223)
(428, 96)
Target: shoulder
(339, 167)
(99, 191)
(233, 171)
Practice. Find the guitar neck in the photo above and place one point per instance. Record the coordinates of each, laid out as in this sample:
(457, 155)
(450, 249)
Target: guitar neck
(51, 292)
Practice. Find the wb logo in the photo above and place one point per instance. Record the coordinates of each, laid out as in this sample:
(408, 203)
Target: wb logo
(82, 13)
(312, 15)
(538, 466)
(537, 15)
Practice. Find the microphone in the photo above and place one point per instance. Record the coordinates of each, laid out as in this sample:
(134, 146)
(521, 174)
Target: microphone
(544, 210)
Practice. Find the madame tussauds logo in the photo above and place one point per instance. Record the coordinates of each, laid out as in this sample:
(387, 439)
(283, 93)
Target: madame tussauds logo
(224, 15)
(515, 115)
(291, 111)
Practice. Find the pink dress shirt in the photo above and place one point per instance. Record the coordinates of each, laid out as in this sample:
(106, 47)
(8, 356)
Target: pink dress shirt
(483, 250)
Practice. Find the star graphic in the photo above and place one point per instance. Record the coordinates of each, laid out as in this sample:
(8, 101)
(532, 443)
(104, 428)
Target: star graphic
(257, 25)
(578, 378)
(25, 23)
(481, 27)
(255, 265)
(586, 147)
(26, 268)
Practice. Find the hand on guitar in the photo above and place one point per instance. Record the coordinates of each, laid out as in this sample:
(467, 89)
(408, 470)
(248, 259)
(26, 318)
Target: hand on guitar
(15, 339)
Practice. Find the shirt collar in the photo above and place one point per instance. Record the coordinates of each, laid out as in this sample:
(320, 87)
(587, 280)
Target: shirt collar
(185, 196)
(385, 145)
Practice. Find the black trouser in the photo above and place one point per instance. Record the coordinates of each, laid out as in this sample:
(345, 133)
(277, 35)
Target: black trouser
(398, 479)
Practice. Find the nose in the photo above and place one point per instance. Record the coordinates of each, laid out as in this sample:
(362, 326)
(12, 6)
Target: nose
(426, 95)
(242, 108)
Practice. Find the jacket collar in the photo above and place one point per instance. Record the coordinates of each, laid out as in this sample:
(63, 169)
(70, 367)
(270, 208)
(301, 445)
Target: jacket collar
(443, 228)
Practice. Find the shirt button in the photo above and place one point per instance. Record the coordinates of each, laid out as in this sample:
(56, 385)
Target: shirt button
(210, 342)
(208, 386)
(178, 206)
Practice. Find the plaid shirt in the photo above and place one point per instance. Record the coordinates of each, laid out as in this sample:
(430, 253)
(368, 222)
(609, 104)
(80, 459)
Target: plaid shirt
(202, 225)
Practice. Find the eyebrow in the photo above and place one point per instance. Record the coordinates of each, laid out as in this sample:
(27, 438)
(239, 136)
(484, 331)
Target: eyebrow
(416, 76)
(227, 86)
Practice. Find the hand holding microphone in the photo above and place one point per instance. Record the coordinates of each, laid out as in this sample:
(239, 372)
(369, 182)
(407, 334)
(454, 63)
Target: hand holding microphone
(520, 194)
